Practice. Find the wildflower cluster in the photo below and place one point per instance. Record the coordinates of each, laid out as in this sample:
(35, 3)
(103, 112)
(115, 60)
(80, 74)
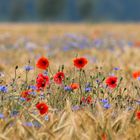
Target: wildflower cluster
(51, 90)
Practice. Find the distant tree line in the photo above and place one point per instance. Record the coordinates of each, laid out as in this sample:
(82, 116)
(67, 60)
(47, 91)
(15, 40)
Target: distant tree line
(69, 10)
(74, 9)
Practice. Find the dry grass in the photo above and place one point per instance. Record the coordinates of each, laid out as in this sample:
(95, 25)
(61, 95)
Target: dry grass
(78, 125)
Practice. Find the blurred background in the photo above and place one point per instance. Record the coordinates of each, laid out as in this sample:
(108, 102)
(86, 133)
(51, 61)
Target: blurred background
(69, 10)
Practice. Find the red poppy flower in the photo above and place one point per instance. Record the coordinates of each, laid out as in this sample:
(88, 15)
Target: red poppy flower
(80, 62)
(111, 81)
(136, 74)
(26, 95)
(83, 100)
(104, 137)
(42, 63)
(137, 43)
(74, 86)
(59, 77)
(138, 115)
(43, 108)
(87, 100)
(42, 81)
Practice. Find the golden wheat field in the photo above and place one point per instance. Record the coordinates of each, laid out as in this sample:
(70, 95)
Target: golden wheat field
(70, 81)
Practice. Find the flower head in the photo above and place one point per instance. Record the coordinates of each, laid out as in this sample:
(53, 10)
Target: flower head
(32, 87)
(107, 105)
(45, 73)
(97, 81)
(138, 115)
(104, 101)
(42, 107)
(14, 113)
(116, 68)
(36, 124)
(89, 99)
(136, 74)
(80, 62)
(42, 63)
(1, 116)
(3, 89)
(46, 117)
(130, 108)
(75, 108)
(88, 89)
(59, 77)
(138, 102)
(28, 68)
(29, 124)
(74, 86)
(86, 100)
(67, 88)
(26, 95)
(104, 136)
(22, 99)
(42, 81)
(111, 81)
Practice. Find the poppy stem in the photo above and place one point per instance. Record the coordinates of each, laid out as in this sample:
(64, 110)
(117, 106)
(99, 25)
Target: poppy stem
(80, 81)
(26, 76)
(50, 71)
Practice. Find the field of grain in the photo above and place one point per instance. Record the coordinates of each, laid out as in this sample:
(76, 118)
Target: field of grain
(88, 88)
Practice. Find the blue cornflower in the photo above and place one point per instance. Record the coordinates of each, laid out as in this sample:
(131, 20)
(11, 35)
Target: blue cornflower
(130, 108)
(3, 89)
(82, 46)
(66, 48)
(97, 81)
(29, 124)
(46, 117)
(104, 101)
(75, 108)
(138, 102)
(32, 93)
(111, 49)
(67, 88)
(107, 105)
(97, 42)
(130, 44)
(45, 73)
(139, 78)
(1, 116)
(14, 113)
(22, 99)
(87, 89)
(42, 95)
(36, 124)
(33, 87)
(28, 68)
(116, 68)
